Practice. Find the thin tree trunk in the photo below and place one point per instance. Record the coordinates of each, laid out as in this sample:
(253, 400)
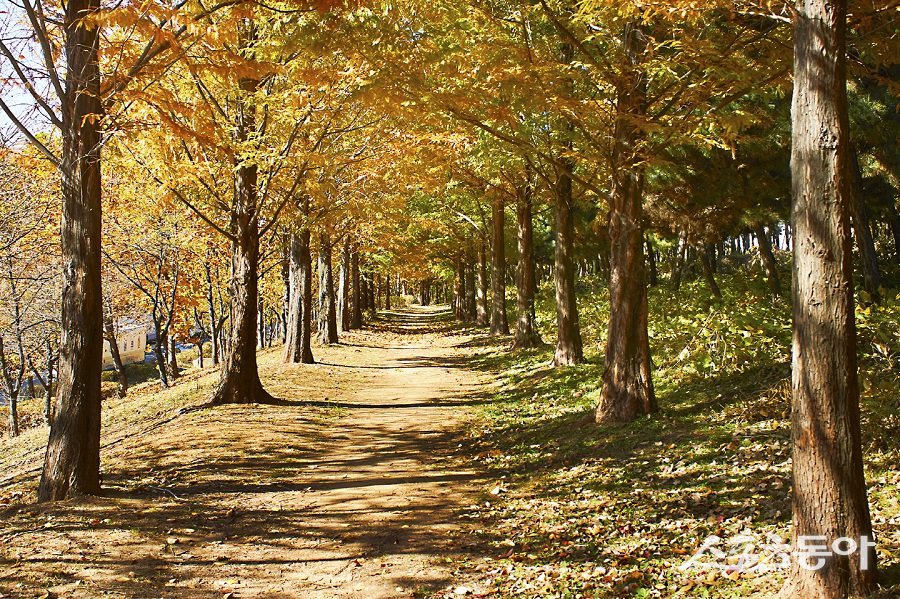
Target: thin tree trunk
(357, 294)
(680, 260)
(894, 225)
(627, 390)
(13, 405)
(862, 230)
(365, 296)
(344, 310)
(569, 348)
(651, 260)
(328, 333)
(499, 321)
(526, 335)
(482, 317)
(72, 460)
(48, 386)
(373, 292)
(387, 292)
(829, 488)
(708, 274)
(213, 318)
(471, 290)
(459, 290)
(174, 370)
(110, 332)
(768, 260)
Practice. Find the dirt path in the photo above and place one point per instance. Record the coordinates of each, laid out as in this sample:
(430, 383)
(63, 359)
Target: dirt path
(352, 493)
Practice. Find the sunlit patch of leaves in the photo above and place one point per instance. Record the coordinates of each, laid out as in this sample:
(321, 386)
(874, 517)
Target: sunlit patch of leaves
(581, 511)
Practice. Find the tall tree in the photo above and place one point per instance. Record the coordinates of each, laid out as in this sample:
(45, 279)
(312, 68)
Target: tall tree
(627, 381)
(829, 489)
(499, 322)
(526, 335)
(72, 462)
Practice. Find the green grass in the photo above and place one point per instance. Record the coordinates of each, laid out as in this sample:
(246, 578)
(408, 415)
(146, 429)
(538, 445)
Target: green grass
(586, 511)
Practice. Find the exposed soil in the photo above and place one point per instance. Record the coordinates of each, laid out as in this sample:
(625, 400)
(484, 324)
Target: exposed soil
(350, 489)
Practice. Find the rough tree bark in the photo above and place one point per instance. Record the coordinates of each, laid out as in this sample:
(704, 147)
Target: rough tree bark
(72, 459)
(499, 321)
(327, 330)
(298, 347)
(526, 335)
(829, 489)
(627, 382)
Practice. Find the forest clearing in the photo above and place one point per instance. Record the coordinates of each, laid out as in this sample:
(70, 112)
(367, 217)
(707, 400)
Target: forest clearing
(442, 298)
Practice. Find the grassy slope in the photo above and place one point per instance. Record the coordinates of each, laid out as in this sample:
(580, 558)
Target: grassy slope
(612, 512)
(146, 408)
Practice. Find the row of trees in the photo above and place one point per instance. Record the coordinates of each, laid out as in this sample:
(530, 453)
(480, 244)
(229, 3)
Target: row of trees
(239, 139)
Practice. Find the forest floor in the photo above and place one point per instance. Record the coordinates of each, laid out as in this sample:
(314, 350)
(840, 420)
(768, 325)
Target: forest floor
(350, 489)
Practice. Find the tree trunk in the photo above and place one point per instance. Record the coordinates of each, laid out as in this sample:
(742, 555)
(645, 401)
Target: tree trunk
(387, 292)
(706, 264)
(357, 293)
(768, 260)
(499, 322)
(680, 260)
(13, 405)
(471, 291)
(365, 296)
(298, 347)
(328, 333)
(569, 348)
(373, 292)
(213, 318)
(240, 382)
(110, 334)
(829, 489)
(627, 381)
(72, 460)
(159, 352)
(48, 389)
(526, 335)
(862, 230)
(651, 260)
(459, 289)
(894, 224)
(174, 370)
(482, 317)
(344, 310)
